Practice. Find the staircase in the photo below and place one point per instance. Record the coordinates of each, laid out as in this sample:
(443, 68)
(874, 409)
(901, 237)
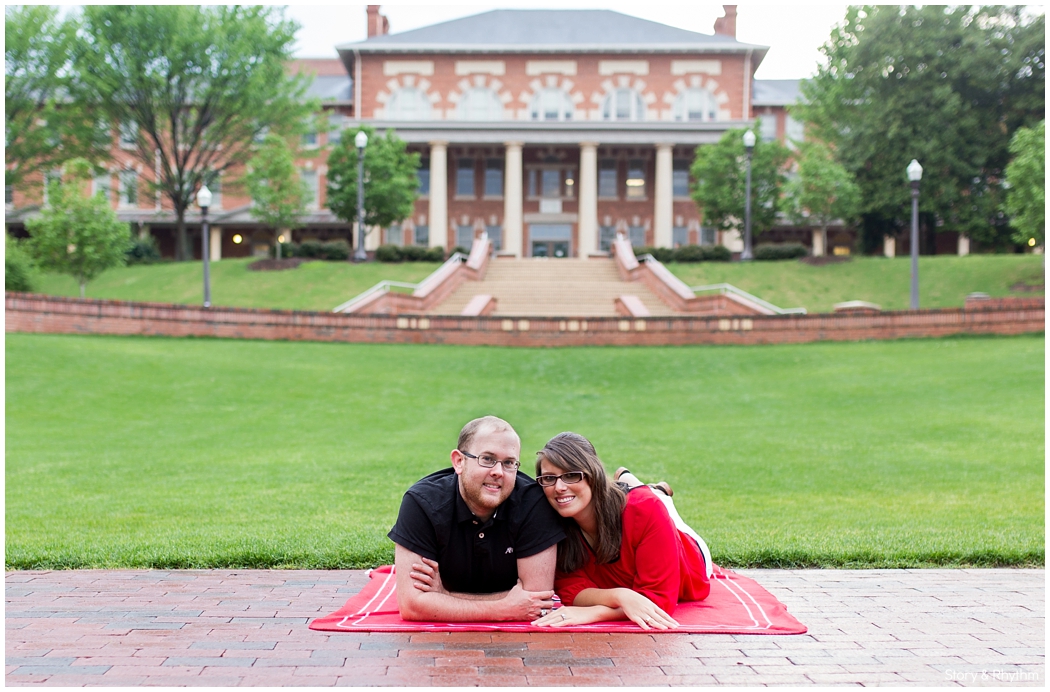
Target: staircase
(542, 287)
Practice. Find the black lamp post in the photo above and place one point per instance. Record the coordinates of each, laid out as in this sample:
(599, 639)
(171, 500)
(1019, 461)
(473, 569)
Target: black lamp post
(914, 175)
(204, 201)
(361, 141)
(749, 147)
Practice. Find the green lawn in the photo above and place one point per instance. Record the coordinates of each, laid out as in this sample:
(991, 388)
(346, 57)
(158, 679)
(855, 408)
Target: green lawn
(135, 452)
(945, 281)
(311, 286)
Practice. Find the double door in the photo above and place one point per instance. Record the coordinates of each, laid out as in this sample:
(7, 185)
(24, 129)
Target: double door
(550, 240)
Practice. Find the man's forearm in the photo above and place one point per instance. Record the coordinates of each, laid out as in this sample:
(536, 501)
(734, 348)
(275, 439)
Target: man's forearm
(449, 607)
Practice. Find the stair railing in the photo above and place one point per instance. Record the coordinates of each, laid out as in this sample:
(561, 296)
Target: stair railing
(730, 288)
(385, 286)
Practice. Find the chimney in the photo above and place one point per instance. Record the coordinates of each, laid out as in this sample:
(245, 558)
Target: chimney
(725, 26)
(378, 25)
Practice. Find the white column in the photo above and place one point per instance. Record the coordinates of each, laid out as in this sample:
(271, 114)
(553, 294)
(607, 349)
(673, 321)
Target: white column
(818, 243)
(889, 246)
(374, 238)
(662, 213)
(215, 243)
(513, 215)
(437, 213)
(964, 245)
(588, 225)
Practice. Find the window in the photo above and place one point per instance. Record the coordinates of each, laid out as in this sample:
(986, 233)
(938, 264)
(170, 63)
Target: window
(606, 236)
(680, 178)
(707, 235)
(465, 236)
(129, 188)
(422, 235)
(637, 235)
(129, 134)
(495, 236)
(312, 192)
(408, 103)
(9, 194)
(336, 124)
(607, 178)
(310, 139)
(551, 104)
(635, 179)
(794, 131)
(465, 178)
(679, 236)
(695, 105)
(393, 235)
(50, 177)
(215, 186)
(767, 128)
(480, 103)
(494, 178)
(550, 183)
(623, 104)
(423, 175)
(103, 185)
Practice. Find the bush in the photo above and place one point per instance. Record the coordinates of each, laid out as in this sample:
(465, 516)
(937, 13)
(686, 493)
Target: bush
(783, 251)
(18, 267)
(435, 254)
(311, 249)
(459, 248)
(702, 253)
(143, 251)
(288, 250)
(336, 250)
(388, 253)
(414, 253)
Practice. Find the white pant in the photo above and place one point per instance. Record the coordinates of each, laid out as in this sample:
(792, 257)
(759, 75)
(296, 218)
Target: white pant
(632, 481)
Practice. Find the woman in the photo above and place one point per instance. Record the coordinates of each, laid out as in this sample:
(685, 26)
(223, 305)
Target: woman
(627, 554)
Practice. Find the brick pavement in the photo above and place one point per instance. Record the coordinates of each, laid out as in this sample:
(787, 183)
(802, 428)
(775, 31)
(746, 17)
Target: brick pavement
(249, 627)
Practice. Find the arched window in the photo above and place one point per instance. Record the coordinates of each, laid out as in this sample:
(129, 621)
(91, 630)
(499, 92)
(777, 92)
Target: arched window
(694, 105)
(480, 103)
(551, 104)
(623, 104)
(408, 103)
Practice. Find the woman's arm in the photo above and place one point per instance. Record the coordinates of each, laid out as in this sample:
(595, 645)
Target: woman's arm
(598, 605)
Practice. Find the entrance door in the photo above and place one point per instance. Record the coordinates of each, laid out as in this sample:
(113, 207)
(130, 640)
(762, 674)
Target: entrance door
(550, 240)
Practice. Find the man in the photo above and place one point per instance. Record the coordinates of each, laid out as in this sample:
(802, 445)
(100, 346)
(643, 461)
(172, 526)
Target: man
(480, 536)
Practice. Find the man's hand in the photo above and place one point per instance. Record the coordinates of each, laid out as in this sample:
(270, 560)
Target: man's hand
(427, 576)
(520, 604)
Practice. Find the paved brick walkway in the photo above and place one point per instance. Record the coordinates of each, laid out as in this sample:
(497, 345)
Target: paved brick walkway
(248, 627)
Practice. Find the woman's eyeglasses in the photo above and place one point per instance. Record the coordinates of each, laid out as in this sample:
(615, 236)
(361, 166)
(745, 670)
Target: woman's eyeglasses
(567, 478)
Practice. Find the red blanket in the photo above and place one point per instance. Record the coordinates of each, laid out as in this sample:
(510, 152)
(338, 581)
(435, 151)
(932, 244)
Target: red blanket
(737, 605)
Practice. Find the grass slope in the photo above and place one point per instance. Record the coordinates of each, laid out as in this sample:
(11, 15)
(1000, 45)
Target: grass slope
(944, 281)
(134, 452)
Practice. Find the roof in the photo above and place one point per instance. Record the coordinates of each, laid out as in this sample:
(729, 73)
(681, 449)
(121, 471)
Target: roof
(339, 89)
(775, 92)
(516, 31)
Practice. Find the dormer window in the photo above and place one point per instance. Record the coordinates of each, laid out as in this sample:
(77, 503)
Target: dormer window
(551, 104)
(409, 103)
(695, 105)
(623, 104)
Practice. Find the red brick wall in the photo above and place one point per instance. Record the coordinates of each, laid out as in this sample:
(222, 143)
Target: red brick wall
(54, 315)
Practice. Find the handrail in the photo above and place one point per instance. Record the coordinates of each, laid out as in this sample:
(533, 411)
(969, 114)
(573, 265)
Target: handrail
(386, 285)
(730, 288)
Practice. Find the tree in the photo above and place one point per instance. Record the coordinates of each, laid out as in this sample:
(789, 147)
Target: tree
(822, 190)
(77, 233)
(719, 172)
(45, 119)
(18, 265)
(944, 85)
(194, 86)
(278, 193)
(391, 185)
(1026, 193)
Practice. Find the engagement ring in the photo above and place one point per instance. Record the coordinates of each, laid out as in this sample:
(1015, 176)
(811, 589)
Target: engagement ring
(562, 615)
(543, 612)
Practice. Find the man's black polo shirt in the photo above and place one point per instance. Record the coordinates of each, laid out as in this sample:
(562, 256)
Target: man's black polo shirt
(475, 556)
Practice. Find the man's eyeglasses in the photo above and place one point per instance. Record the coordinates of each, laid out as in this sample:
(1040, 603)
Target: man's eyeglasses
(487, 461)
(567, 478)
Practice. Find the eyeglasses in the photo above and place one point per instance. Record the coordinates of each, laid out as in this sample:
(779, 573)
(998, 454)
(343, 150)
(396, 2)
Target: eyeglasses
(568, 478)
(487, 461)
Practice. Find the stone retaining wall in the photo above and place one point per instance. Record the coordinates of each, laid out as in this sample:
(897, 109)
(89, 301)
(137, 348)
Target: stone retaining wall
(57, 315)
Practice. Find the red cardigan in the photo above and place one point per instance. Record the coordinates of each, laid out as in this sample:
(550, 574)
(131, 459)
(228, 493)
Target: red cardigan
(647, 561)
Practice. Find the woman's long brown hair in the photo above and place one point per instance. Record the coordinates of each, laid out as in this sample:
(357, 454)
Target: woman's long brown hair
(571, 452)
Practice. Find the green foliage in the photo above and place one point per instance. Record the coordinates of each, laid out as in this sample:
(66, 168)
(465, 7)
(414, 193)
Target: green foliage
(391, 186)
(201, 83)
(822, 190)
(143, 251)
(702, 253)
(38, 88)
(1026, 174)
(389, 253)
(18, 266)
(77, 233)
(422, 253)
(947, 86)
(719, 173)
(287, 250)
(780, 251)
(278, 193)
(102, 471)
(336, 250)
(662, 254)
(311, 249)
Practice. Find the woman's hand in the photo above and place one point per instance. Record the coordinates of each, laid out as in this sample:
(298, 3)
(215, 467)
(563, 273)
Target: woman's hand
(572, 615)
(427, 577)
(643, 612)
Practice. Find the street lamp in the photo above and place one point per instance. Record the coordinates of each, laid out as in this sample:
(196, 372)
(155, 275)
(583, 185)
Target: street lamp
(914, 175)
(204, 201)
(361, 141)
(749, 147)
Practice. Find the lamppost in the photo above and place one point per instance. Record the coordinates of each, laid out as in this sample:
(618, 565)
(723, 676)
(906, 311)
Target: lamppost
(361, 141)
(749, 147)
(204, 201)
(914, 175)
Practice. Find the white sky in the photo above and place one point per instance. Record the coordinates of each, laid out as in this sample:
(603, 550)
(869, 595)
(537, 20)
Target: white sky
(793, 32)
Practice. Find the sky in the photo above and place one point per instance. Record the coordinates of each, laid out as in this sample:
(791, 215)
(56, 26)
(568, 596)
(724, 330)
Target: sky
(793, 32)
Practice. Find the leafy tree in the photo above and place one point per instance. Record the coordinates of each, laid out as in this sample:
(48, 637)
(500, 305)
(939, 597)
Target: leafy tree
(1026, 175)
(719, 173)
(822, 190)
(944, 85)
(199, 84)
(278, 193)
(77, 233)
(18, 265)
(391, 185)
(45, 120)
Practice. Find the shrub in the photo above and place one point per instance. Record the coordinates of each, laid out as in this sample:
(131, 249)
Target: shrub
(435, 254)
(336, 250)
(143, 251)
(18, 267)
(311, 249)
(288, 250)
(414, 253)
(388, 253)
(717, 253)
(459, 248)
(642, 250)
(783, 251)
